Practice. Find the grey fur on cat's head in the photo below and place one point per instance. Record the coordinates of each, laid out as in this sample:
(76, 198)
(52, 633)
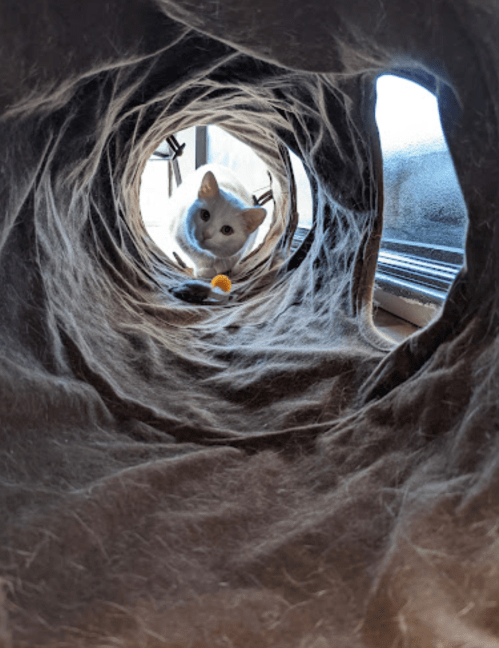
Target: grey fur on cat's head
(220, 221)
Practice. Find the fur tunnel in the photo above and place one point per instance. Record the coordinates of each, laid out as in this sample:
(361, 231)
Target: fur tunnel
(273, 472)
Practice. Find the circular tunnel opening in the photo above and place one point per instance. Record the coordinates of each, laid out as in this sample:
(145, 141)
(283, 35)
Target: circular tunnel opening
(198, 146)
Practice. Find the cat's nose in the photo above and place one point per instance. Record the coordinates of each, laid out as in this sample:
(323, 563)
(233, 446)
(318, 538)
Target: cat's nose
(207, 235)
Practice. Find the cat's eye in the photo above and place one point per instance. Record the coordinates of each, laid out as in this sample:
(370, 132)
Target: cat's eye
(227, 229)
(205, 215)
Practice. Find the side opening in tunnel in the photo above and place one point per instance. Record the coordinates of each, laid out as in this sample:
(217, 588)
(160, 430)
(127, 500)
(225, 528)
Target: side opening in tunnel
(424, 217)
(211, 144)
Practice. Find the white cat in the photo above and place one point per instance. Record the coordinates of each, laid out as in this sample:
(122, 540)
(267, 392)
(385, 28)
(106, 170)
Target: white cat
(210, 221)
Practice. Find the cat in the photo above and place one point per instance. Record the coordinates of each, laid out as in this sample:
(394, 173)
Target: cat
(210, 221)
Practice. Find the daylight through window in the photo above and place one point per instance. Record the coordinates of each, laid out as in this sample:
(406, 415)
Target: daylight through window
(424, 211)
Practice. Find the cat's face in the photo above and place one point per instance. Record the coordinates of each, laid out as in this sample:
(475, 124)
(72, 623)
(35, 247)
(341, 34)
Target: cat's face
(222, 223)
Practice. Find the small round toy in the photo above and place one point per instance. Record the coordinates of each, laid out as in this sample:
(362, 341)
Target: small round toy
(221, 281)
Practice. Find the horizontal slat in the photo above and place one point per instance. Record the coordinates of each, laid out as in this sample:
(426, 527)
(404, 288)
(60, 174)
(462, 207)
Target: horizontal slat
(422, 273)
(442, 254)
(409, 289)
(445, 270)
(419, 270)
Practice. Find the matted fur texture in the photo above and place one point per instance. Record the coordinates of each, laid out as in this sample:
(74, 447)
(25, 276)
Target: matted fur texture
(269, 473)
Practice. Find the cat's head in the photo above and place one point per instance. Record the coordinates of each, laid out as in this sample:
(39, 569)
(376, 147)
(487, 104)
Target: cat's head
(222, 222)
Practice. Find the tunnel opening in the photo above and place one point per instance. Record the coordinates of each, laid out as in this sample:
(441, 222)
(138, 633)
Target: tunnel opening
(211, 144)
(424, 215)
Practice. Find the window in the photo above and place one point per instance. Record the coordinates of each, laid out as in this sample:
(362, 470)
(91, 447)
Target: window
(158, 178)
(424, 212)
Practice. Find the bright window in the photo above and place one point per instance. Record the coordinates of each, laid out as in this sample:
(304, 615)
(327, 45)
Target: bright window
(424, 211)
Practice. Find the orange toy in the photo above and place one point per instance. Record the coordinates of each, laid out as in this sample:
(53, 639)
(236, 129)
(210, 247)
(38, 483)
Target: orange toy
(221, 281)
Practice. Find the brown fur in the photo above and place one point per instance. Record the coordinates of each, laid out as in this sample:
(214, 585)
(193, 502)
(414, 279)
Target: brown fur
(273, 472)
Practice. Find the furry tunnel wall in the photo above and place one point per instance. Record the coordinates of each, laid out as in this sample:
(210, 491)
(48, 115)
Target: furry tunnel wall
(274, 471)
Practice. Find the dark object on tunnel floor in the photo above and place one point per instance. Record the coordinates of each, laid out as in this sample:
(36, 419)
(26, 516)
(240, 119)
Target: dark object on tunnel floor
(196, 291)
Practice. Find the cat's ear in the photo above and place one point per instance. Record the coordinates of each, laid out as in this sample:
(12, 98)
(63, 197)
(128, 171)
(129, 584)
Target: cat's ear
(209, 186)
(253, 218)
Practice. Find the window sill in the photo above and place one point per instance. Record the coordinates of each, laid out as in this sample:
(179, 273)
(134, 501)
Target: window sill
(412, 279)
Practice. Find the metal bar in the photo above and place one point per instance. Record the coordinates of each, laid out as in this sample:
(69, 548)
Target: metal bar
(201, 146)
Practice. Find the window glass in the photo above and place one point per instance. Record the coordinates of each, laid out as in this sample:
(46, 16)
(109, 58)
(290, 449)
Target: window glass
(424, 216)
(158, 179)
(423, 200)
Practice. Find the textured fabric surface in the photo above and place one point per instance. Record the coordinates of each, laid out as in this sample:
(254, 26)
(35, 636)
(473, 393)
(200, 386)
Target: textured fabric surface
(270, 472)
